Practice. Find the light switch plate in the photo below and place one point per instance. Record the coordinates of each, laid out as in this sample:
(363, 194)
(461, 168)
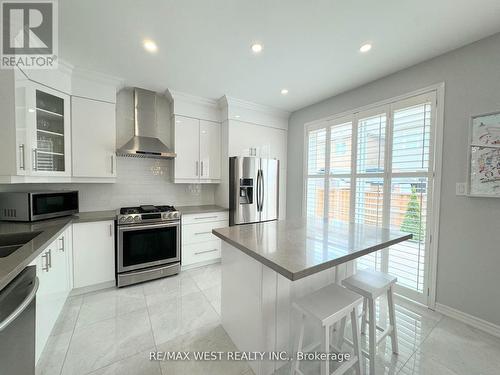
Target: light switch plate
(461, 188)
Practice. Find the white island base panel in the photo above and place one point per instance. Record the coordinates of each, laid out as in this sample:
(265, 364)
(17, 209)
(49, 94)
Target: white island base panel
(256, 309)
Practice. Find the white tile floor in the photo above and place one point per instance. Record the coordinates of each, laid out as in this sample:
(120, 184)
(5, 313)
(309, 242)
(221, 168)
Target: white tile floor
(111, 332)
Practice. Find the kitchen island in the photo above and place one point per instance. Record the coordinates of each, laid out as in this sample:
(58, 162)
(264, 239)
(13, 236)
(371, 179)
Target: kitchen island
(266, 266)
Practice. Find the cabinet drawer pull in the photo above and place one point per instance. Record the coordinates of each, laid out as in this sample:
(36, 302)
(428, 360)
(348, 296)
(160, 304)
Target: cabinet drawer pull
(202, 169)
(206, 217)
(112, 164)
(62, 244)
(200, 233)
(196, 169)
(205, 251)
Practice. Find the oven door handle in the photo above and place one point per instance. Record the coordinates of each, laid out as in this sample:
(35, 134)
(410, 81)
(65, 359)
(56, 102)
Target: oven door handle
(18, 311)
(124, 228)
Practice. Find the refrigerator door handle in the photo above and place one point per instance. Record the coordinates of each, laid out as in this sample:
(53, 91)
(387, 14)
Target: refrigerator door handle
(262, 190)
(259, 188)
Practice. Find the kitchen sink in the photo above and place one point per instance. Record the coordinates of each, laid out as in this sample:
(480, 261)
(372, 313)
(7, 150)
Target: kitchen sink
(13, 241)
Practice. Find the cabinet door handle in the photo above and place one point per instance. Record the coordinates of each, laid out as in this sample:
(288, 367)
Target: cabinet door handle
(22, 160)
(111, 230)
(196, 168)
(202, 169)
(48, 261)
(62, 244)
(35, 159)
(112, 164)
(206, 217)
(200, 233)
(205, 251)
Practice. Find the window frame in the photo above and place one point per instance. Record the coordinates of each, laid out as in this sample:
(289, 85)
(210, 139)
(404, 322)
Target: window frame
(434, 94)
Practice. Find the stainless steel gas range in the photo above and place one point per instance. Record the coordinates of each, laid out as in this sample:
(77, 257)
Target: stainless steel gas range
(148, 243)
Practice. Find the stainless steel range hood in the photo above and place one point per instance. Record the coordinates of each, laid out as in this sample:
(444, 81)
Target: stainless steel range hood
(145, 142)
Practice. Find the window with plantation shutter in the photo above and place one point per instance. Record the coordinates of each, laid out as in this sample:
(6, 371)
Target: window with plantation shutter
(376, 168)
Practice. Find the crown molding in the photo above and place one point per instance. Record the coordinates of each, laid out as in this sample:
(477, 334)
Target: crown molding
(193, 99)
(227, 102)
(91, 75)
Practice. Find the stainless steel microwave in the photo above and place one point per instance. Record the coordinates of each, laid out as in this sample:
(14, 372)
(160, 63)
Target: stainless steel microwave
(33, 206)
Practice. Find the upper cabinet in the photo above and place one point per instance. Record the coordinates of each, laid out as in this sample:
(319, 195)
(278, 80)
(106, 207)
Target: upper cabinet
(210, 155)
(49, 131)
(197, 144)
(35, 141)
(94, 138)
(57, 126)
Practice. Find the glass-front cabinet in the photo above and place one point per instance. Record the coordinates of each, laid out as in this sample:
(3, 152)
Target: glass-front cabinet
(49, 121)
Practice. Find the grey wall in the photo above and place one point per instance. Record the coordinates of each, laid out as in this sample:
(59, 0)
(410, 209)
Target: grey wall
(469, 246)
(139, 181)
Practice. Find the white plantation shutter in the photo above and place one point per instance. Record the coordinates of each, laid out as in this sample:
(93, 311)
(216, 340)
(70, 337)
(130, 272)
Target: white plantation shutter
(409, 193)
(316, 173)
(377, 169)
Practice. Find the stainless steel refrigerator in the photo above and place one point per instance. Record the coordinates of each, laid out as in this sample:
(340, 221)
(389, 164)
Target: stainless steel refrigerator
(253, 190)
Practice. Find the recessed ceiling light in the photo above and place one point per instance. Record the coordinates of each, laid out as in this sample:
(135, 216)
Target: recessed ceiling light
(150, 46)
(365, 47)
(257, 47)
(284, 91)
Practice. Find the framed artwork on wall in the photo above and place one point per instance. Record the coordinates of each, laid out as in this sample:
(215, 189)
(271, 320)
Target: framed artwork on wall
(484, 155)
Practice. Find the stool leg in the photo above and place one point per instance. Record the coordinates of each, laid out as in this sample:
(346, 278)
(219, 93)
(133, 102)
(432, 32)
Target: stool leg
(364, 316)
(392, 320)
(372, 324)
(356, 341)
(341, 333)
(295, 363)
(325, 348)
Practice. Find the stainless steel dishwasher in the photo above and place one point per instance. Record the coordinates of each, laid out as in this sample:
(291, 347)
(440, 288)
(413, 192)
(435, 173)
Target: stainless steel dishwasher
(17, 324)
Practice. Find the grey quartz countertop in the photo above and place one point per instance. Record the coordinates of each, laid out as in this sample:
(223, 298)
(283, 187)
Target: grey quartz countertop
(47, 231)
(187, 210)
(300, 248)
(85, 217)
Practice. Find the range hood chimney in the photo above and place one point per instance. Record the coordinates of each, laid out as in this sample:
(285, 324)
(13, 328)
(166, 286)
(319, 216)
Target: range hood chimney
(145, 142)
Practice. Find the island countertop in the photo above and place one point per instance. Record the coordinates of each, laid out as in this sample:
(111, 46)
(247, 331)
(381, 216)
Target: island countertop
(299, 248)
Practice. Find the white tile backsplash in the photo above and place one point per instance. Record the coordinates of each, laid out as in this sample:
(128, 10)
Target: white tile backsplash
(139, 181)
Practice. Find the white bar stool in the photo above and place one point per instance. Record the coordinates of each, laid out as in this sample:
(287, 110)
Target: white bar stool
(371, 285)
(328, 306)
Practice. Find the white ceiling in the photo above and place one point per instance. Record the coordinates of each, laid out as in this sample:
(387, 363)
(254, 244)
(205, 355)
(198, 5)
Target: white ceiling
(310, 47)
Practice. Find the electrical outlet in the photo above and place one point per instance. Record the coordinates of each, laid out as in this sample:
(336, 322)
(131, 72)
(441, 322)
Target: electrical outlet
(461, 188)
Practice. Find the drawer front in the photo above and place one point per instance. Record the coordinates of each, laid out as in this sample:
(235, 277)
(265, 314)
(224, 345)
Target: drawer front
(202, 232)
(202, 252)
(205, 217)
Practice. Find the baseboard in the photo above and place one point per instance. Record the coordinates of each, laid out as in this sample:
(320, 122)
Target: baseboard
(200, 264)
(92, 288)
(471, 320)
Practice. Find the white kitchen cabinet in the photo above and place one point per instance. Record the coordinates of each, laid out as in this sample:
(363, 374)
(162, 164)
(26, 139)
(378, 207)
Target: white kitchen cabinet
(199, 245)
(93, 253)
(93, 126)
(197, 145)
(210, 155)
(14, 144)
(187, 148)
(53, 268)
(49, 128)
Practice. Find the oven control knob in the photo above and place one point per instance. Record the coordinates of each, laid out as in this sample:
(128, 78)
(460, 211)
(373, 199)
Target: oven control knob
(128, 219)
(165, 216)
(175, 215)
(122, 220)
(137, 219)
(170, 215)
